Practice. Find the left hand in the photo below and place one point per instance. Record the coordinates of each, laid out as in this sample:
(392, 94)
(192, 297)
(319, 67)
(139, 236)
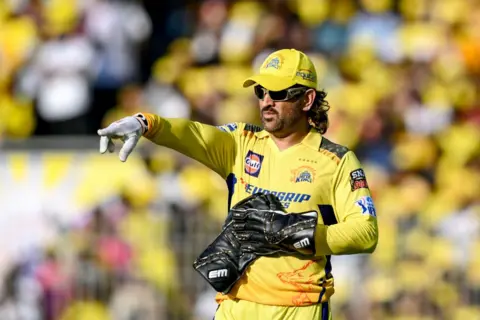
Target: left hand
(266, 228)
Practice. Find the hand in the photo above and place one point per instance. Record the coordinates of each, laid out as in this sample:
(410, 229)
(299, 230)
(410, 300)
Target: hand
(223, 262)
(128, 129)
(265, 229)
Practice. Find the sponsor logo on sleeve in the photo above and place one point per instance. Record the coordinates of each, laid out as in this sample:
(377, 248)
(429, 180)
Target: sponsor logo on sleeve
(358, 179)
(253, 163)
(366, 205)
(229, 127)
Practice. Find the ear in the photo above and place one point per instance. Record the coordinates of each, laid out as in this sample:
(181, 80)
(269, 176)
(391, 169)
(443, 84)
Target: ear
(309, 99)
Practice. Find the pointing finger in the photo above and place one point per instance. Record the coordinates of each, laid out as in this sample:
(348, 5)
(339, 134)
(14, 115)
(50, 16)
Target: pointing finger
(108, 131)
(104, 143)
(127, 148)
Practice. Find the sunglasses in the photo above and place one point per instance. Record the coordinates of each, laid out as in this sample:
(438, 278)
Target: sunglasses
(282, 95)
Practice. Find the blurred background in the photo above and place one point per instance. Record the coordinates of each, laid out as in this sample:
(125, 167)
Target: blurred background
(84, 236)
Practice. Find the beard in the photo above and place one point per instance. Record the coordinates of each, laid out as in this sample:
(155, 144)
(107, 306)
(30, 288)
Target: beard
(275, 122)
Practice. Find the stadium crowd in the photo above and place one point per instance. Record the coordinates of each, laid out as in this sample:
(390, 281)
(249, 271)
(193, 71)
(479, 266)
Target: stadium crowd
(402, 78)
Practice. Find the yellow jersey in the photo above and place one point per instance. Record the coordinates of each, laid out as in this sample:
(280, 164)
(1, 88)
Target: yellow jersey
(315, 174)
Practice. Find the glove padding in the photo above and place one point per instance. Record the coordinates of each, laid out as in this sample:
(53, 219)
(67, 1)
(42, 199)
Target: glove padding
(223, 263)
(264, 228)
(256, 226)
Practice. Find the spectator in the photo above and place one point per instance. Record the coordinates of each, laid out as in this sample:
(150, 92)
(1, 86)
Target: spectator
(60, 73)
(402, 80)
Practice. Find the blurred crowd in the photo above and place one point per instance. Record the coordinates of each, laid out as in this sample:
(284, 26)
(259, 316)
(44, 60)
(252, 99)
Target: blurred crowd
(402, 78)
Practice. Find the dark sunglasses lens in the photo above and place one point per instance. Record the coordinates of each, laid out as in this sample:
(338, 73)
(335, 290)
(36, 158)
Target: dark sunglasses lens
(259, 92)
(278, 95)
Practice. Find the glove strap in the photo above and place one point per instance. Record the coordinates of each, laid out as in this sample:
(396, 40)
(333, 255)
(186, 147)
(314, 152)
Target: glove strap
(143, 121)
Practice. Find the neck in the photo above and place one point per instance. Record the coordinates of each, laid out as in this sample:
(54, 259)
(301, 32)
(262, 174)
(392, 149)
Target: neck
(287, 139)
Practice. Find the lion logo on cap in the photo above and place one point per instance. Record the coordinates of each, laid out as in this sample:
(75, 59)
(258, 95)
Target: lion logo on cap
(274, 62)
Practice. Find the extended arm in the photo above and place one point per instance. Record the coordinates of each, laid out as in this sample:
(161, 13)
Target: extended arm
(207, 144)
(204, 143)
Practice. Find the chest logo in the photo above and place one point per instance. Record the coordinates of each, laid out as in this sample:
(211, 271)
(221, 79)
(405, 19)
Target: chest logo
(303, 174)
(253, 163)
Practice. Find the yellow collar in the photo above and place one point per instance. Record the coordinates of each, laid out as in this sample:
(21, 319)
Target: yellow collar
(311, 140)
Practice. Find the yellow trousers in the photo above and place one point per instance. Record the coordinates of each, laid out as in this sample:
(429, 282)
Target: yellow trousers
(246, 310)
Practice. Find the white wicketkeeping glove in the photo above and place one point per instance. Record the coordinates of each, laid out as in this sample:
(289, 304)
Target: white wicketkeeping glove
(128, 129)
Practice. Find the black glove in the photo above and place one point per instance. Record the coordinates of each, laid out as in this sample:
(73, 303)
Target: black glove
(223, 262)
(264, 228)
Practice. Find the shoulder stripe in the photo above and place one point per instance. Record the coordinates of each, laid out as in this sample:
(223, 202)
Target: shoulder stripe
(252, 128)
(336, 149)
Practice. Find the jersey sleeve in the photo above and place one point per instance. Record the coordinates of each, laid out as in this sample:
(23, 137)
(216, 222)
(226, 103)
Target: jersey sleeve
(357, 229)
(213, 146)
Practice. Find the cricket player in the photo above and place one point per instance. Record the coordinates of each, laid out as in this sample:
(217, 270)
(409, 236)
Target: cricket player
(289, 158)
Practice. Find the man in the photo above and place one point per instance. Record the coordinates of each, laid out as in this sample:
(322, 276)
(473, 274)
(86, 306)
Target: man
(290, 159)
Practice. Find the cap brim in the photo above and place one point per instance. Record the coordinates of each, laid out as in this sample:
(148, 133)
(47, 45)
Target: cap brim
(269, 82)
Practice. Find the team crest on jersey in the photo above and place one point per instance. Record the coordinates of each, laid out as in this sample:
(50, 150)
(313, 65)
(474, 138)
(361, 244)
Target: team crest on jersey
(303, 174)
(253, 163)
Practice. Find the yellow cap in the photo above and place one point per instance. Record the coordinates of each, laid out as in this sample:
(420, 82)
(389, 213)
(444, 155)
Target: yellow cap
(283, 69)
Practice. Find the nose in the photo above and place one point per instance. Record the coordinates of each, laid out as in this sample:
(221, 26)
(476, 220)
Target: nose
(267, 101)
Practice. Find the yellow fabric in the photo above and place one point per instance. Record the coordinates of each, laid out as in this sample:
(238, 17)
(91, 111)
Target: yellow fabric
(377, 6)
(157, 265)
(61, 16)
(18, 38)
(283, 69)
(312, 12)
(144, 230)
(55, 167)
(344, 238)
(17, 117)
(117, 177)
(87, 310)
(246, 310)
(310, 177)
(243, 16)
(463, 312)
